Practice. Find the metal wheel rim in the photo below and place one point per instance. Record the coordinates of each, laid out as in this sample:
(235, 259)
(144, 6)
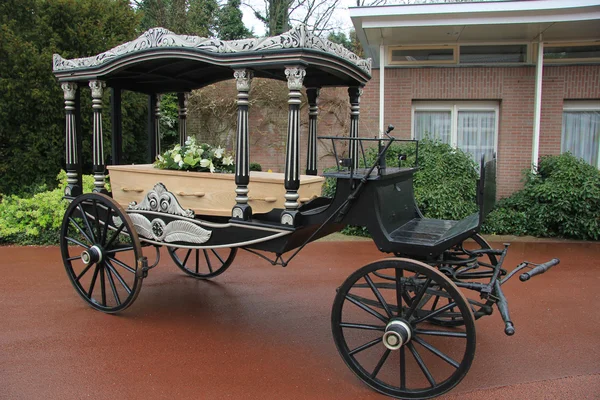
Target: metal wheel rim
(112, 275)
(209, 258)
(366, 376)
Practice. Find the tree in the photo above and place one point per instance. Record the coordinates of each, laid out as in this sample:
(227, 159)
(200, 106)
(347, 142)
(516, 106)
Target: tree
(32, 118)
(190, 17)
(229, 22)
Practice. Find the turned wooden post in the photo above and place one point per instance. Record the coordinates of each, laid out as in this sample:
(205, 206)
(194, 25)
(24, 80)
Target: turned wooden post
(71, 152)
(183, 103)
(97, 88)
(354, 93)
(242, 210)
(313, 112)
(295, 77)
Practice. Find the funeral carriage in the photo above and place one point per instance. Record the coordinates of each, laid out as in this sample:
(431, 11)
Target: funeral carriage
(405, 324)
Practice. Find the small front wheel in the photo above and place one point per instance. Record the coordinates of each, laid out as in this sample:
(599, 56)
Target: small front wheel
(101, 252)
(202, 263)
(382, 326)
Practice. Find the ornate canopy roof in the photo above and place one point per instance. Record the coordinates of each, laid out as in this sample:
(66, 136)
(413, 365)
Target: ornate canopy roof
(162, 61)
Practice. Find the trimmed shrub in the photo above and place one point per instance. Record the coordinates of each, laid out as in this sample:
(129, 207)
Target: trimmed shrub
(36, 220)
(561, 200)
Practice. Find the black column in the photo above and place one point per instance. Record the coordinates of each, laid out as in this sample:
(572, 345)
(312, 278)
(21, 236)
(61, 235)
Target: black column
(151, 128)
(116, 119)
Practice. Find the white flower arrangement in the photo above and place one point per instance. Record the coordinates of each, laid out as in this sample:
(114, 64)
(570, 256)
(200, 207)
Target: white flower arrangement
(196, 157)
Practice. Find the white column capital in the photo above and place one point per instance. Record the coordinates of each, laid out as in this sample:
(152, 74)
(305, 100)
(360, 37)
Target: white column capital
(69, 89)
(97, 88)
(295, 77)
(243, 79)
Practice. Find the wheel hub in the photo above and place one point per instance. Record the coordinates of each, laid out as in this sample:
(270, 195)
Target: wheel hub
(397, 334)
(91, 255)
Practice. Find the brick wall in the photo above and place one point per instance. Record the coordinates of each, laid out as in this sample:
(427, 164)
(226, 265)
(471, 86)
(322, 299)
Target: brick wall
(512, 87)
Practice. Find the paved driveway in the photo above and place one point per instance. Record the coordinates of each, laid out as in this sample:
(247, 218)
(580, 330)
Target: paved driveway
(262, 332)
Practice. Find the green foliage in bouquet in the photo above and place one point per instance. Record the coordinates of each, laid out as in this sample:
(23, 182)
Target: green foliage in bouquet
(194, 156)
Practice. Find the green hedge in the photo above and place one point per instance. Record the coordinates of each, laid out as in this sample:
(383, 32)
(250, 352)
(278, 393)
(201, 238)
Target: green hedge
(36, 220)
(561, 200)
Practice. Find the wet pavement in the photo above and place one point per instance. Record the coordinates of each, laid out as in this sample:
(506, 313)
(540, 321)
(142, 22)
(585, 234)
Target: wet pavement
(262, 332)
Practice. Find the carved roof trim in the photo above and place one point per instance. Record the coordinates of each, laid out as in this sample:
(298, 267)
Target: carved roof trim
(297, 38)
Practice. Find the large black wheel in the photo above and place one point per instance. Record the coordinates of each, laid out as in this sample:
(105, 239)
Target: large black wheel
(381, 324)
(202, 263)
(101, 252)
(485, 263)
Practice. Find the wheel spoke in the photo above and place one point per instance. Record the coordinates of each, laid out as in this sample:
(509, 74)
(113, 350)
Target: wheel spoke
(362, 326)
(365, 346)
(197, 260)
(112, 287)
(77, 242)
(378, 295)
(402, 368)
(80, 229)
(118, 276)
(399, 289)
(74, 258)
(118, 250)
(106, 224)
(87, 223)
(117, 233)
(415, 302)
(83, 272)
(187, 256)
(208, 261)
(436, 352)
(434, 313)
(102, 285)
(380, 363)
(93, 283)
(437, 298)
(96, 220)
(422, 365)
(218, 256)
(121, 264)
(366, 308)
(440, 333)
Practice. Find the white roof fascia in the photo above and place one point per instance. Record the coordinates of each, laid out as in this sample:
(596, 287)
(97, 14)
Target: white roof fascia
(476, 7)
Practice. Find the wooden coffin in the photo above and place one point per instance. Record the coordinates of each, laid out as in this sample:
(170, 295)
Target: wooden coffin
(206, 193)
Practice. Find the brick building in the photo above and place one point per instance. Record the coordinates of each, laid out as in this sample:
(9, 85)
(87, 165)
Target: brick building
(518, 78)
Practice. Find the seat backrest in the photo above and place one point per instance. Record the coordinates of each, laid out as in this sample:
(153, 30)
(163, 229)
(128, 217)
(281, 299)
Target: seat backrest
(486, 188)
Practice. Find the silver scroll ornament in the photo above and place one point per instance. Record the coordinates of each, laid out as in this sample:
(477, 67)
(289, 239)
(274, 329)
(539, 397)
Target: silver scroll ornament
(174, 231)
(161, 200)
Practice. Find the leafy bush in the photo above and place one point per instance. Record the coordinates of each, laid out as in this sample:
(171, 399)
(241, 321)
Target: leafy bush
(561, 200)
(254, 166)
(36, 219)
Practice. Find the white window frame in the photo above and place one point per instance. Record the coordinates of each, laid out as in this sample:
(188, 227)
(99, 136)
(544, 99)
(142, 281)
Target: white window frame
(456, 54)
(454, 107)
(570, 60)
(581, 106)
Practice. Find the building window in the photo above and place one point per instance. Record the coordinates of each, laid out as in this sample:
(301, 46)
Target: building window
(493, 54)
(581, 130)
(470, 126)
(571, 52)
(422, 55)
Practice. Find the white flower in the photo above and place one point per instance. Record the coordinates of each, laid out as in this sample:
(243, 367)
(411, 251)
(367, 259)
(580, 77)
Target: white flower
(188, 141)
(228, 160)
(160, 158)
(180, 163)
(212, 167)
(200, 151)
(205, 162)
(177, 148)
(177, 158)
(219, 152)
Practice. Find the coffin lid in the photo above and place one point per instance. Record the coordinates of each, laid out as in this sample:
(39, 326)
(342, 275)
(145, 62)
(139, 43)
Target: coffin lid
(162, 61)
